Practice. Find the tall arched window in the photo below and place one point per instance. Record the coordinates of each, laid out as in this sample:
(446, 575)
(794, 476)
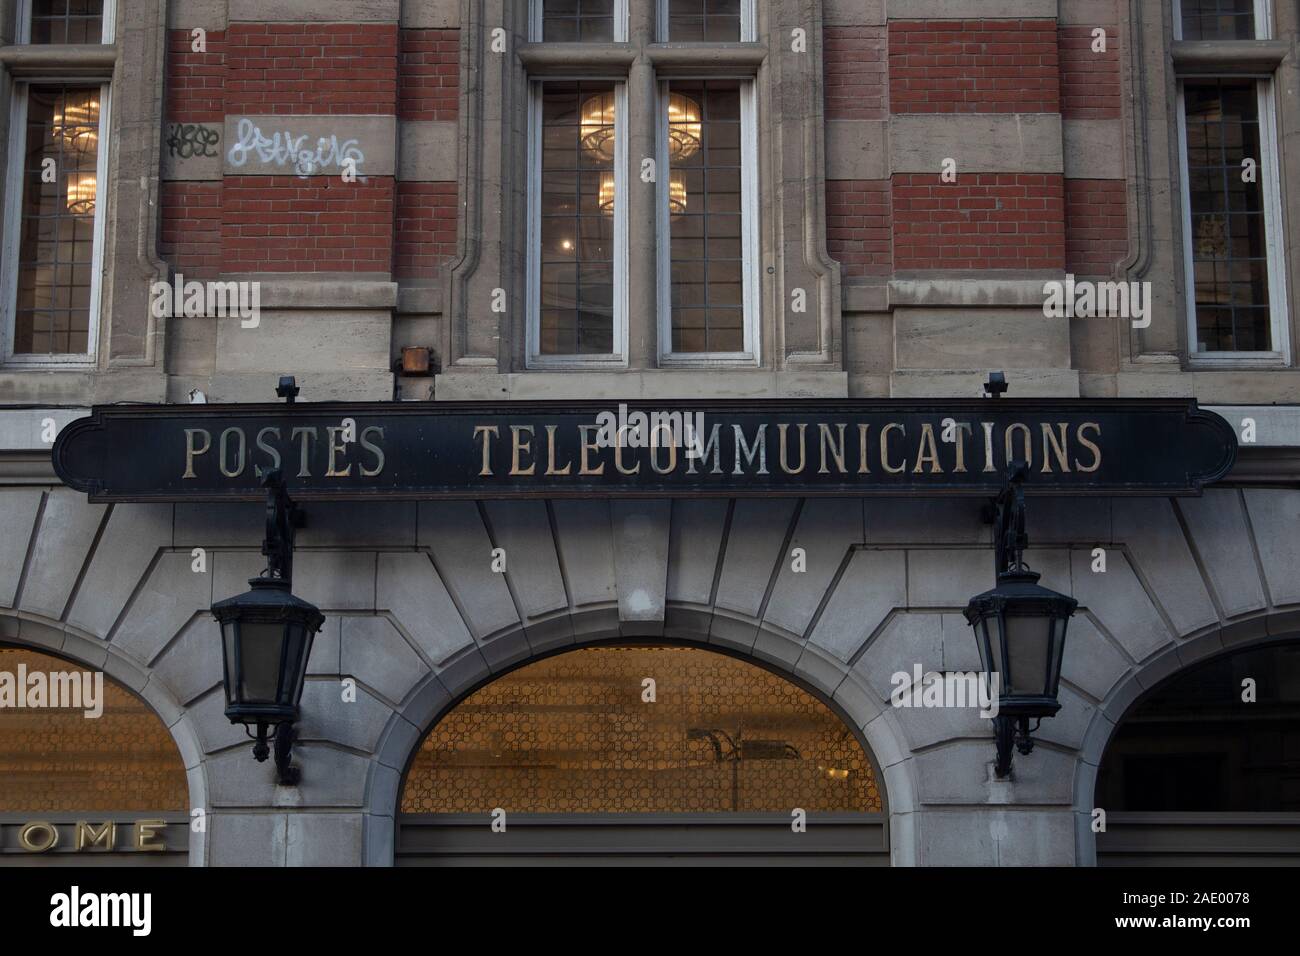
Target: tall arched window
(86, 768)
(56, 759)
(1206, 767)
(635, 737)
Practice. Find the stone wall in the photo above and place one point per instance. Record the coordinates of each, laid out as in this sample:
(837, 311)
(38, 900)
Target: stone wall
(417, 618)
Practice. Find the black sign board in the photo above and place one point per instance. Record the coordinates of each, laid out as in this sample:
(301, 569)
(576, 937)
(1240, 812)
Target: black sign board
(579, 449)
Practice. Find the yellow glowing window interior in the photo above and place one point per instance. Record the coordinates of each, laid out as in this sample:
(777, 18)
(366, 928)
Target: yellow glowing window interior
(575, 733)
(62, 760)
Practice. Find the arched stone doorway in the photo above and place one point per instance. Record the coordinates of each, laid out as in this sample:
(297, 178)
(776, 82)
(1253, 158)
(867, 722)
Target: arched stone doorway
(1202, 768)
(89, 774)
(641, 752)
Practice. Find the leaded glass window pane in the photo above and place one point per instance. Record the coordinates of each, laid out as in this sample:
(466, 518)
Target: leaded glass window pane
(56, 244)
(576, 222)
(1229, 248)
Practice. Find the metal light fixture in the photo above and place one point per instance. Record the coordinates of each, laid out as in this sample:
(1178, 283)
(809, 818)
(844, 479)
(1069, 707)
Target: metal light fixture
(81, 193)
(685, 127)
(597, 126)
(266, 638)
(1020, 629)
(676, 193)
(77, 124)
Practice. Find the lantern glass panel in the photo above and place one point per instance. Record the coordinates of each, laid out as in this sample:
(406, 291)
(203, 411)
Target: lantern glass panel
(1028, 646)
(986, 635)
(1058, 652)
(261, 646)
(229, 638)
(299, 647)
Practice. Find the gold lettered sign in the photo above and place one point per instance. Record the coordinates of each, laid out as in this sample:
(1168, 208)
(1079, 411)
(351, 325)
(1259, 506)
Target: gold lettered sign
(92, 833)
(582, 449)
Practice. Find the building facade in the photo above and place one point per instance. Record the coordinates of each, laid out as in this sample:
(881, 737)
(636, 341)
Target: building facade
(755, 201)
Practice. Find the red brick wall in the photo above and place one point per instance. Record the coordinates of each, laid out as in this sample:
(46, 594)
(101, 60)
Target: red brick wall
(311, 68)
(320, 224)
(1090, 82)
(191, 228)
(316, 224)
(973, 66)
(429, 75)
(1096, 225)
(855, 72)
(196, 81)
(983, 221)
(425, 228)
(858, 226)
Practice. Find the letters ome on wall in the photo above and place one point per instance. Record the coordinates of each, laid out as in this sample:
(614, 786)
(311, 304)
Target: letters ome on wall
(581, 449)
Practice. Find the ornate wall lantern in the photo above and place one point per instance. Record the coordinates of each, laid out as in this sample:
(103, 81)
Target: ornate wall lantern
(266, 638)
(1020, 629)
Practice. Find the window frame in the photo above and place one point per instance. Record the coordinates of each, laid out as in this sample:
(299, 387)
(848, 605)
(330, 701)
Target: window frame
(536, 16)
(1263, 23)
(10, 267)
(1280, 354)
(24, 24)
(1274, 239)
(618, 358)
(748, 24)
(751, 305)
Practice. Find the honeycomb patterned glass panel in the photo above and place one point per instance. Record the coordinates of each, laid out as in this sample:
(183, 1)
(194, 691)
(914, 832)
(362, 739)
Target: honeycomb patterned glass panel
(572, 734)
(59, 759)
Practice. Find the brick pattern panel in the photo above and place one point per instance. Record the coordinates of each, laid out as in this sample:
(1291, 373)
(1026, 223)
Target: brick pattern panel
(425, 228)
(196, 81)
(429, 75)
(855, 72)
(311, 68)
(191, 228)
(858, 233)
(1090, 82)
(318, 224)
(1096, 225)
(982, 221)
(973, 66)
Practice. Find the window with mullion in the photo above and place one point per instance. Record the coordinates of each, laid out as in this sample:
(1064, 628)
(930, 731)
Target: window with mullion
(579, 21)
(1223, 20)
(704, 206)
(707, 21)
(55, 221)
(1229, 248)
(577, 224)
(65, 21)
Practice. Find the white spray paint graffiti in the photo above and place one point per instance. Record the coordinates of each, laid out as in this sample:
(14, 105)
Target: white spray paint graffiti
(284, 148)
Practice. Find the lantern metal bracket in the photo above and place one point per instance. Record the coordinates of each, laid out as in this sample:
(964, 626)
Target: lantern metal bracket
(283, 740)
(1006, 513)
(1010, 731)
(283, 517)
